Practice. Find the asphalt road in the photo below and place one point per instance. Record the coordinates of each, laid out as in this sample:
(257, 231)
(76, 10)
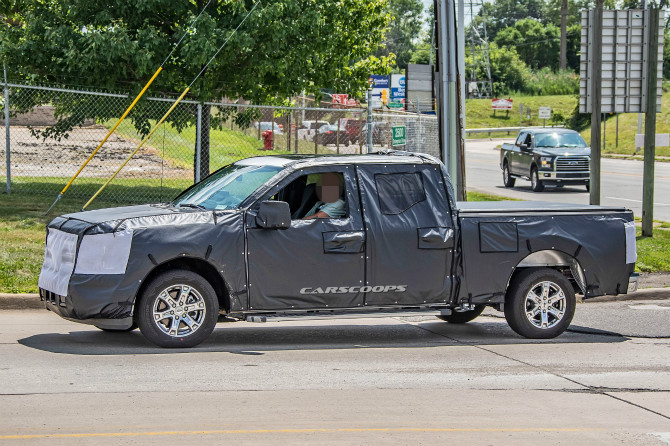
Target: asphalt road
(621, 181)
(365, 381)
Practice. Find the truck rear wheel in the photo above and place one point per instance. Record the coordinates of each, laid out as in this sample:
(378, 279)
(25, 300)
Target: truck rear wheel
(536, 184)
(508, 180)
(462, 317)
(540, 303)
(178, 308)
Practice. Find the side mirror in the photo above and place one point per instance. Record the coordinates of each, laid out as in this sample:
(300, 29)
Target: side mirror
(523, 146)
(274, 215)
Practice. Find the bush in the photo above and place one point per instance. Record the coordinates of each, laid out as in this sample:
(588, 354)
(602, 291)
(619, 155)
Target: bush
(545, 82)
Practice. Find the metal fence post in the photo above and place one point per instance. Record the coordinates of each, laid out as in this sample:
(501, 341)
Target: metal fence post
(198, 135)
(7, 144)
(369, 119)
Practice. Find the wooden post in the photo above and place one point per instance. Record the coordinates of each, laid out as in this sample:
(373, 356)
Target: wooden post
(316, 124)
(288, 132)
(296, 134)
(272, 128)
(596, 78)
(650, 127)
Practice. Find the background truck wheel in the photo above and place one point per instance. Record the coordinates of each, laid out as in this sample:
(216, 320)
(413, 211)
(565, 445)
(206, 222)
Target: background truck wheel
(461, 317)
(117, 330)
(177, 309)
(540, 304)
(588, 187)
(508, 181)
(536, 184)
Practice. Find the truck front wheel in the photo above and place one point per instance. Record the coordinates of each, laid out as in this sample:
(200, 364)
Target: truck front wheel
(178, 308)
(508, 180)
(536, 184)
(462, 317)
(540, 303)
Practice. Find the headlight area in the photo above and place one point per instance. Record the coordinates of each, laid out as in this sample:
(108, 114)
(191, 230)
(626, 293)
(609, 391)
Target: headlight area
(104, 253)
(546, 162)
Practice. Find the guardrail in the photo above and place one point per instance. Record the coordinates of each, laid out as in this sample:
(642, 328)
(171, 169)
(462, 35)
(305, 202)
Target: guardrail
(509, 130)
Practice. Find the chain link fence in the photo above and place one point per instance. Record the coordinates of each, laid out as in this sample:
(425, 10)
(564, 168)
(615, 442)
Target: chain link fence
(53, 131)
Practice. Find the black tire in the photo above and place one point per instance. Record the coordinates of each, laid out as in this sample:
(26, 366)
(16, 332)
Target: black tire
(588, 187)
(118, 330)
(198, 304)
(557, 315)
(462, 317)
(536, 184)
(508, 180)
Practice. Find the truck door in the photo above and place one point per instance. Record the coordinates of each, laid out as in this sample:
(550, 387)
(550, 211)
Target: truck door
(409, 234)
(314, 264)
(516, 155)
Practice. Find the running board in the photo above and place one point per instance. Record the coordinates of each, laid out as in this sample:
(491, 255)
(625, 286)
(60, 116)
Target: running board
(279, 317)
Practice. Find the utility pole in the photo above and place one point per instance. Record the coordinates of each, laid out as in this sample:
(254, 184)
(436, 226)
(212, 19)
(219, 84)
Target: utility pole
(7, 140)
(369, 134)
(596, 96)
(650, 126)
(564, 39)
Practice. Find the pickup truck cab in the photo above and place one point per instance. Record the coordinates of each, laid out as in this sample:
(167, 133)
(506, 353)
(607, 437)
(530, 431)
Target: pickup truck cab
(546, 156)
(236, 245)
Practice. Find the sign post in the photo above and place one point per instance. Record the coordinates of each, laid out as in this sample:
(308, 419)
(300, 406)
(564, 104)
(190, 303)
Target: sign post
(544, 113)
(399, 136)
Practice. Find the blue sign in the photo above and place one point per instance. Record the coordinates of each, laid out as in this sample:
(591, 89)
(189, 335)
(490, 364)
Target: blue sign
(397, 88)
(380, 81)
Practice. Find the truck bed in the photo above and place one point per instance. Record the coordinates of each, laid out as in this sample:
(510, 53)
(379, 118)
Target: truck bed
(539, 207)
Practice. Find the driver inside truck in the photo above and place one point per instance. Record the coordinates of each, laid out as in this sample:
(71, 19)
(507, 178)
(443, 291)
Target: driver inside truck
(330, 204)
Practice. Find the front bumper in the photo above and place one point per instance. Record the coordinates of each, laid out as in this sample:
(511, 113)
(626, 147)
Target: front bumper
(62, 306)
(567, 177)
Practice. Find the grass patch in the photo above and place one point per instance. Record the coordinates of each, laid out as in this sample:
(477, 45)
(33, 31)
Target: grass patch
(652, 252)
(628, 129)
(479, 113)
(479, 196)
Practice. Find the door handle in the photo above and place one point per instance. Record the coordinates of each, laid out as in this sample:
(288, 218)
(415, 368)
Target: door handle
(349, 242)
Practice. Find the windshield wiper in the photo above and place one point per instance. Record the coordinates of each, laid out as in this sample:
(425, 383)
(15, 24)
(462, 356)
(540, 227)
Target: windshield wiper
(191, 205)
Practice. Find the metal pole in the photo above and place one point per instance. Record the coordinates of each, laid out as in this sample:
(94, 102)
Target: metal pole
(617, 131)
(650, 127)
(461, 56)
(604, 130)
(7, 143)
(596, 78)
(369, 119)
(198, 134)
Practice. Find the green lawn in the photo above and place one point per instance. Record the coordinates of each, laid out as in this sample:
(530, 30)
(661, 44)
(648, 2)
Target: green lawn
(479, 113)
(628, 129)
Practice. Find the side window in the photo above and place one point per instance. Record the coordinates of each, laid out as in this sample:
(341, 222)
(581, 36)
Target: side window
(520, 139)
(398, 192)
(528, 140)
(318, 195)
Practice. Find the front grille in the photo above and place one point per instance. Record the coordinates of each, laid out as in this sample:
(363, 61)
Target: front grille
(572, 164)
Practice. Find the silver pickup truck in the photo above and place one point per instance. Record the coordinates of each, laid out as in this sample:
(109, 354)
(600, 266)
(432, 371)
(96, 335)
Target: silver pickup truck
(546, 157)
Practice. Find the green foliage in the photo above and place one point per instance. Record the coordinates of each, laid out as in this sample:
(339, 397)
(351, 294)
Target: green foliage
(547, 82)
(422, 54)
(538, 45)
(501, 14)
(508, 71)
(404, 29)
(284, 47)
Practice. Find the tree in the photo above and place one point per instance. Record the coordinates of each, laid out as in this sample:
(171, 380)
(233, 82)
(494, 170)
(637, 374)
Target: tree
(404, 29)
(501, 14)
(285, 47)
(508, 71)
(538, 45)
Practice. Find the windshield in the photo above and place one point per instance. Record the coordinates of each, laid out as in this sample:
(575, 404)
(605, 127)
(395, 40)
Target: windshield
(227, 188)
(569, 140)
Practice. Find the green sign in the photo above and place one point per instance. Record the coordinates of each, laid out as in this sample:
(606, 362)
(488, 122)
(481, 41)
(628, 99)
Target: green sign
(399, 138)
(395, 105)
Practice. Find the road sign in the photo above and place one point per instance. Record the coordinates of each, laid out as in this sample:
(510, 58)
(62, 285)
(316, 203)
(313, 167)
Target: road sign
(340, 98)
(501, 104)
(395, 105)
(662, 140)
(544, 112)
(399, 138)
(625, 48)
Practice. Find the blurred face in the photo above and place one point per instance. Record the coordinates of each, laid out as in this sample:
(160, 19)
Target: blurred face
(329, 190)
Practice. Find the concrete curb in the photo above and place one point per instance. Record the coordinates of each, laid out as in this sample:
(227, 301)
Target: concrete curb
(32, 301)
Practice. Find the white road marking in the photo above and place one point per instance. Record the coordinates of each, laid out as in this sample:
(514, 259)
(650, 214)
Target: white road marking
(663, 436)
(647, 307)
(637, 201)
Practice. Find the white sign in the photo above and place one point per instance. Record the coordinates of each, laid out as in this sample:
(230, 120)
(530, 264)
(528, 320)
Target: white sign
(662, 140)
(625, 44)
(501, 104)
(544, 112)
